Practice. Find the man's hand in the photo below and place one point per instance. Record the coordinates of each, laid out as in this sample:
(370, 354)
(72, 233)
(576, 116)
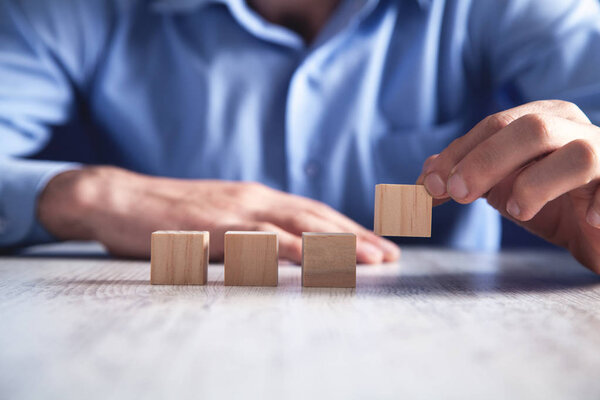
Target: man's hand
(538, 165)
(121, 209)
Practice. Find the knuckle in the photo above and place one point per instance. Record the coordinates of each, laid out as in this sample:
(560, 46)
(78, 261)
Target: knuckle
(569, 108)
(537, 128)
(497, 122)
(583, 155)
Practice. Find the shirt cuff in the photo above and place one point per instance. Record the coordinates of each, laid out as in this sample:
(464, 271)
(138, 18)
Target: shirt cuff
(21, 182)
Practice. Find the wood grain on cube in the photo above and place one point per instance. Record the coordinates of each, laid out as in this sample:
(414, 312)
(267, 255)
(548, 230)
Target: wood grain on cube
(402, 210)
(251, 259)
(179, 258)
(329, 260)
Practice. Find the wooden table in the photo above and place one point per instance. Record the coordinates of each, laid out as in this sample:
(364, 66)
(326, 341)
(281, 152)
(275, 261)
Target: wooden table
(437, 325)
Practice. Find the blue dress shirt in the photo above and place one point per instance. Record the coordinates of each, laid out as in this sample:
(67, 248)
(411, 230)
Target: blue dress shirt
(209, 89)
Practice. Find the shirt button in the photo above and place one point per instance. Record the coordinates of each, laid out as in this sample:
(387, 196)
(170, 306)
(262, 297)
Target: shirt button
(312, 168)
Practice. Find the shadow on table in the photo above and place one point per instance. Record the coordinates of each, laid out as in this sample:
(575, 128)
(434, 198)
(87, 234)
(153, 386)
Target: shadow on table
(475, 282)
(68, 256)
(66, 250)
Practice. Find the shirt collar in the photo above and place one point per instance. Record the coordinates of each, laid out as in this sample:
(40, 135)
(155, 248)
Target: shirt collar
(191, 5)
(349, 12)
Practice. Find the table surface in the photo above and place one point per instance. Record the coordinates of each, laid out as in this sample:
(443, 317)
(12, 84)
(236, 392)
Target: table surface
(75, 324)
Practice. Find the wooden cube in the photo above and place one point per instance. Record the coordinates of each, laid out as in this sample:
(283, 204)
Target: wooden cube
(329, 260)
(251, 259)
(402, 210)
(179, 258)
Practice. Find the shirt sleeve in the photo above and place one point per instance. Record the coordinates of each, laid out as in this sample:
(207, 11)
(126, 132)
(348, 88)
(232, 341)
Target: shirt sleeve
(42, 63)
(20, 184)
(537, 49)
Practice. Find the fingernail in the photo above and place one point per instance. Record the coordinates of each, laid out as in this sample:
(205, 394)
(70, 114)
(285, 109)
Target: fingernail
(457, 188)
(372, 254)
(513, 208)
(434, 185)
(593, 218)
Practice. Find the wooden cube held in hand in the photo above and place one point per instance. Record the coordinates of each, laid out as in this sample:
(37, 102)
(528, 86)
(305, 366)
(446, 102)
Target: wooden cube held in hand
(179, 258)
(402, 210)
(329, 260)
(251, 259)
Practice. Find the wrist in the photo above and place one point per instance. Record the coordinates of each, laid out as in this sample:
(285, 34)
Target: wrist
(67, 205)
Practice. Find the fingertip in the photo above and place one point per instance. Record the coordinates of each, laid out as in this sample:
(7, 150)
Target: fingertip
(457, 187)
(516, 211)
(513, 209)
(291, 249)
(391, 252)
(593, 218)
(435, 185)
(388, 257)
(367, 253)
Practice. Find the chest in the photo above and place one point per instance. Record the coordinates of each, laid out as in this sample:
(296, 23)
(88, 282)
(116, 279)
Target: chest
(206, 81)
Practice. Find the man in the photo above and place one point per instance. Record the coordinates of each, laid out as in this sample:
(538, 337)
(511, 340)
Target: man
(320, 99)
